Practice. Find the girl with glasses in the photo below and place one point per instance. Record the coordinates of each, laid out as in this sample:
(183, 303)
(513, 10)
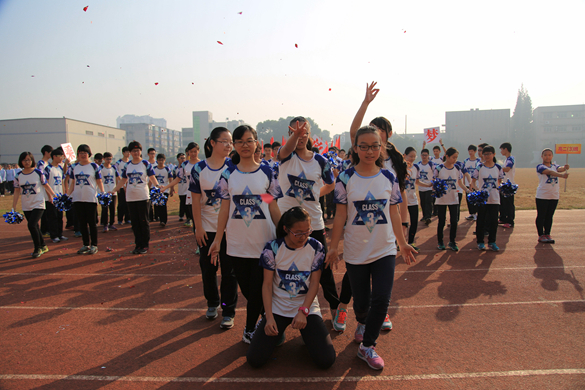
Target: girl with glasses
(292, 268)
(249, 216)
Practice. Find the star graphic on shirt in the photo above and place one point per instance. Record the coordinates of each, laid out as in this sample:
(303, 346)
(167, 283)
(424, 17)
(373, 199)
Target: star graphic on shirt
(424, 175)
(81, 179)
(135, 178)
(247, 207)
(293, 281)
(552, 180)
(160, 178)
(108, 179)
(451, 182)
(57, 180)
(28, 189)
(212, 199)
(409, 184)
(300, 188)
(370, 212)
(489, 182)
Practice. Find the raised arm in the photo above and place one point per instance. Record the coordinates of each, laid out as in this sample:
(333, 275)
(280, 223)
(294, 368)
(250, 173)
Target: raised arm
(371, 92)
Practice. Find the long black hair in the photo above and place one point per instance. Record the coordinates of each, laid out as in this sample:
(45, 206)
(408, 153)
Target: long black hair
(215, 133)
(355, 158)
(302, 119)
(395, 156)
(238, 134)
(289, 218)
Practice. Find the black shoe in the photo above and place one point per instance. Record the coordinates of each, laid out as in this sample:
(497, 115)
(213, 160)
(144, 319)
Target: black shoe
(135, 251)
(142, 251)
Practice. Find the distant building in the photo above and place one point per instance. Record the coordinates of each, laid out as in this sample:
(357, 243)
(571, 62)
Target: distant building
(476, 126)
(558, 125)
(164, 140)
(203, 123)
(31, 134)
(141, 119)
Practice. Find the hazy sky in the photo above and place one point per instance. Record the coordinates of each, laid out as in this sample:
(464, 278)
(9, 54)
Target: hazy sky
(427, 56)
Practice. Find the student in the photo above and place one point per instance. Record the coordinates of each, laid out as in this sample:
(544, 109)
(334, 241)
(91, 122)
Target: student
(305, 176)
(409, 184)
(341, 154)
(507, 209)
(183, 178)
(55, 177)
(425, 187)
(30, 183)
(10, 173)
(206, 205)
(547, 194)
(41, 165)
(248, 221)
(258, 156)
(292, 265)
(470, 165)
(152, 160)
(451, 172)
(138, 173)
(86, 178)
(164, 176)
(110, 178)
(268, 155)
(182, 198)
(437, 159)
(488, 176)
(123, 214)
(2, 180)
(368, 197)
(480, 152)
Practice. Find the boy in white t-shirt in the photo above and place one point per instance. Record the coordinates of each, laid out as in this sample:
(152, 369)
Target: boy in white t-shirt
(423, 181)
(507, 208)
(110, 178)
(55, 177)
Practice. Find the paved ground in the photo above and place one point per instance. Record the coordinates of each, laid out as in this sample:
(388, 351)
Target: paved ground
(467, 320)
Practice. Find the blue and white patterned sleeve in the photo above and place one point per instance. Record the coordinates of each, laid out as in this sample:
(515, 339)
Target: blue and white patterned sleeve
(267, 258)
(340, 192)
(222, 191)
(319, 257)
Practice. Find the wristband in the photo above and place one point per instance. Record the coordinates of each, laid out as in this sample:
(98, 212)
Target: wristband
(304, 310)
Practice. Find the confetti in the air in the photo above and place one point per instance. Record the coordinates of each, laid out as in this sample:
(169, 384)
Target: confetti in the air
(88, 66)
(155, 83)
(330, 89)
(266, 198)
(239, 13)
(85, 8)
(297, 46)
(220, 42)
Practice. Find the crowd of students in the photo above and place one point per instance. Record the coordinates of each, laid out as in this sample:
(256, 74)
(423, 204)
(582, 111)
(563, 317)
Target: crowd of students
(262, 224)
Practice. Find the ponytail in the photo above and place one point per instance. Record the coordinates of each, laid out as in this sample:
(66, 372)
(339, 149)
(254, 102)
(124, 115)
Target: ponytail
(398, 163)
(214, 135)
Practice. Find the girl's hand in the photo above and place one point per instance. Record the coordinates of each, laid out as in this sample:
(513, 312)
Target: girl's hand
(371, 92)
(270, 328)
(332, 258)
(566, 167)
(299, 131)
(407, 253)
(566, 174)
(335, 172)
(300, 321)
(214, 252)
(201, 237)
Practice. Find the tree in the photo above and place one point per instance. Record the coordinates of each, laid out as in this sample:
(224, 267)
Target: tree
(279, 128)
(522, 139)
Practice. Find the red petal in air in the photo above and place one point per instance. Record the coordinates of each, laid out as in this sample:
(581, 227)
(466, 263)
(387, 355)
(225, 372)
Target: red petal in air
(85, 8)
(330, 89)
(266, 198)
(240, 13)
(155, 83)
(219, 42)
(297, 46)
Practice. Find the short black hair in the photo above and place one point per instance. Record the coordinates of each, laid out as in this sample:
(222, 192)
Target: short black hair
(108, 154)
(24, 155)
(134, 145)
(276, 145)
(179, 155)
(425, 150)
(98, 156)
(160, 155)
(125, 149)
(436, 147)
(482, 145)
(472, 147)
(151, 150)
(46, 149)
(268, 146)
(57, 152)
(84, 148)
(506, 145)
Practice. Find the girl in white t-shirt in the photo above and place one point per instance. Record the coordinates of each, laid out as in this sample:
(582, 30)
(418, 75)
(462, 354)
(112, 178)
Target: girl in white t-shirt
(304, 177)
(488, 177)
(205, 177)
(452, 173)
(249, 216)
(29, 183)
(292, 268)
(86, 178)
(367, 197)
(412, 199)
(547, 194)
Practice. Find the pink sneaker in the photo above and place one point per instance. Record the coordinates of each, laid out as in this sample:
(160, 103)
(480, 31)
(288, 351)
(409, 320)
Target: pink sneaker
(112, 227)
(542, 238)
(549, 239)
(506, 225)
(359, 333)
(369, 355)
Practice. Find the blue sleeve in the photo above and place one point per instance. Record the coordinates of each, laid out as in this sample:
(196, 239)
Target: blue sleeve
(273, 186)
(268, 256)
(194, 184)
(149, 169)
(326, 172)
(510, 162)
(319, 257)
(340, 192)
(98, 171)
(222, 185)
(395, 197)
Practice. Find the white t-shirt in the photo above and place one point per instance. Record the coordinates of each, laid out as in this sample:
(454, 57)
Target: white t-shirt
(249, 225)
(85, 177)
(301, 184)
(487, 179)
(548, 186)
(368, 233)
(409, 184)
(184, 172)
(470, 166)
(510, 163)
(204, 181)
(109, 176)
(450, 176)
(32, 193)
(425, 175)
(436, 161)
(292, 274)
(164, 176)
(138, 178)
(55, 178)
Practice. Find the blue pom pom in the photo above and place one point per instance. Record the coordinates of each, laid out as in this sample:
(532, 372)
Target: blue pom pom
(478, 198)
(508, 189)
(13, 217)
(439, 188)
(104, 198)
(63, 202)
(157, 198)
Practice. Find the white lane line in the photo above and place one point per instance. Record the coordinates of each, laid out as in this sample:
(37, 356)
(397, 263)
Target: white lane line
(321, 379)
(101, 308)
(336, 273)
